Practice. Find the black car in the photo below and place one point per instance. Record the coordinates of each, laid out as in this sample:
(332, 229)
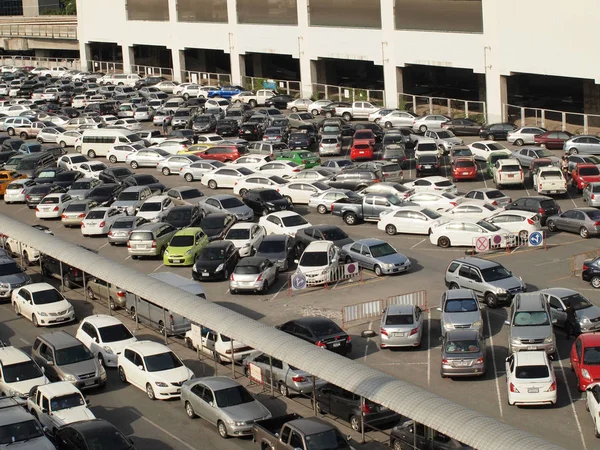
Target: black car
(348, 406)
(299, 140)
(141, 179)
(66, 178)
(405, 436)
(427, 165)
(227, 127)
(591, 272)
(217, 225)
(148, 81)
(184, 216)
(321, 233)
(329, 110)
(264, 201)
(321, 331)
(280, 249)
(217, 261)
(46, 175)
(204, 123)
(462, 127)
(12, 144)
(105, 194)
(250, 132)
(114, 174)
(70, 112)
(496, 131)
(184, 133)
(279, 101)
(374, 127)
(51, 267)
(91, 435)
(36, 193)
(5, 156)
(542, 205)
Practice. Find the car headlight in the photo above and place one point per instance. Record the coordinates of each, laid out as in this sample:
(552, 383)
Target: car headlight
(166, 251)
(70, 377)
(515, 341)
(108, 350)
(500, 290)
(219, 267)
(585, 374)
(584, 320)
(4, 286)
(549, 340)
(189, 252)
(161, 384)
(389, 266)
(70, 310)
(476, 324)
(448, 326)
(43, 314)
(236, 423)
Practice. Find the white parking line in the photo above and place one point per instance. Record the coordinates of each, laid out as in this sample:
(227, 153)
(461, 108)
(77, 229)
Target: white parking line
(171, 435)
(420, 242)
(159, 267)
(571, 198)
(496, 373)
(103, 246)
(368, 342)
(24, 341)
(128, 257)
(562, 369)
(276, 293)
(22, 209)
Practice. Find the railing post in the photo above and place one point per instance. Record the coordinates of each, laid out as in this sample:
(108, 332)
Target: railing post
(430, 105)
(362, 420)
(414, 102)
(522, 116)
(543, 114)
(466, 109)
(232, 359)
(62, 278)
(165, 326)
(564, 121)
(85, 293)
(585, 124)
(314, 395)
(271, 376)
(108, 298)
(135, 310)
(449, 104)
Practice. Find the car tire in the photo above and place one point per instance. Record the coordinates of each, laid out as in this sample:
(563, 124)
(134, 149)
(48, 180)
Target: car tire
(573, 151)
(188, 177)
(212, 184)
(243, 192)
(443, 242)
(101, 360)
(11, 131)
(189, 410)
(454, 286)
(41, 141)
(423, 128)
(490, 137)
(354, 422)
(134, 164)
(398, 445)
(584, 233)
(595, 282)
(378, 271)
(26, 259)
(519, 142)
(490, 300)
(314, 112)
(17, 310)
(166, 172)
(91, 154)
(391, 229)
(350, 219)
(112, 159)
(265, 287)
(347, 117)
(252, 103)
(322, 209)
(288, 198)
(222, 430)
(328, 115)
(283, 390)
(265, 212)
(186, 96)
(551, 225)
(150, 392)
(294, 109)
(34, 321)
(23, 135)
(63, 144)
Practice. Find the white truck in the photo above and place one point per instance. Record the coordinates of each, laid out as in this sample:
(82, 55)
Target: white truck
(257, 99)
(549, 180)
(358, 110)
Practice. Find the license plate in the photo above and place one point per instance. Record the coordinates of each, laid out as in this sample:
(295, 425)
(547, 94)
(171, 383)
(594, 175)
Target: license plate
(361, 152)
(465, 173)
(462, 363)
(510, 175)
(554, 192)
(337, 344)
(533, 390)
(399, 334)
(247, 132)
(92, 224)
(177, 261)
(204, 274)
(531, 347)
(89, 382)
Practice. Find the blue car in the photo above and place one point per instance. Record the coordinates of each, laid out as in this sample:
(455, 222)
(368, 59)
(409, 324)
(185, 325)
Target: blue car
(225, 92)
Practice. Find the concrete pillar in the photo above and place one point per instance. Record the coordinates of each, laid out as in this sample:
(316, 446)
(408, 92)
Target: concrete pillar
(85, 56)
(496, 95)
(178, 58)
(591, 97)
(31, 8)
(128, 58)
(234, 53)
(307, 69)
(390, 70)
(242, 60)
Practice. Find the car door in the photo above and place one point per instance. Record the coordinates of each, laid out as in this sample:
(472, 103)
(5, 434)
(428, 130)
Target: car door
(136, 371)
(367, 259)
(557, 309)
(470, 233)
(341, 403)
(566, 221)
(25, 303)
(201, 401)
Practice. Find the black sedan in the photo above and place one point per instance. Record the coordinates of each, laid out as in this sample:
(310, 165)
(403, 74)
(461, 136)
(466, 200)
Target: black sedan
(279, 101)
(591, 272)
(216, 262)
(264, 201)
(217, 225)
(36, 193)
(91, 435)
(462, 127)
(66, 178)
(12, 144)
(184, 216)
(105, 194)
(114, 174)
(321, 331)
(141, 179)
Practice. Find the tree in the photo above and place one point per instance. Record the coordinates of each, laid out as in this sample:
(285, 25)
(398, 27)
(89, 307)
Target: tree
(70, 7)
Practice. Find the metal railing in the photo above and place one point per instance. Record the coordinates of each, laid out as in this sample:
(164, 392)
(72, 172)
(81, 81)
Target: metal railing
(21, 61)
(166, 72)
(105, 66)
(41, 30)
(347, 94)
(287, 87)
(576, 123)
(205, 78)
(452, 107)
(576, 261)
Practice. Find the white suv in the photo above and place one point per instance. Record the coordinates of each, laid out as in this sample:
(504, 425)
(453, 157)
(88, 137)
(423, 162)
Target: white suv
(508, 172)
(18, 372)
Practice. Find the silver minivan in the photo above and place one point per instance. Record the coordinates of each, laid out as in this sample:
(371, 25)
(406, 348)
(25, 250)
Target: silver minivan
(150, 239)
(155, 316)
(460, 311)
(530, 324)
(131, 198)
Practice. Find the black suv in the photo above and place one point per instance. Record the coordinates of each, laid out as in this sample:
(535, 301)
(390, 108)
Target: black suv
(264, 201)
(543, 206)
(354, 179)
(427, 165)
(496, 131)
(114, 174)
(299, 140)
(250, 132)
(227, 127)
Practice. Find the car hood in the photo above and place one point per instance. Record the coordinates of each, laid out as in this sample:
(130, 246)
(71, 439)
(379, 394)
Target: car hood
(71, 415)
(273, 257)
(453, 140)
(78, 193)
(176, 375)
(80, 368)
(594, 371)
(246, 412)
(462, 318)
(16, 279)
(39, 443)
(533, 332)
(54, 307)
(24, 387)
(593, 312)
(208, 266)
(242, 210)
(393, 259)
(507, 283)
(118, 347)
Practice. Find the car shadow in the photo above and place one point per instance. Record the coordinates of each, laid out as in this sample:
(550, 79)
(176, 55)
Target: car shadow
(241, 309)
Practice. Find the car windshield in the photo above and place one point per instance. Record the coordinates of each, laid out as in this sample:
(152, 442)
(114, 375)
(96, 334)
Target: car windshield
(245, 171)
(495, 273)
(114, 333)
(314, 259)
(128, 196)
(577, 301)
(327, 440)
(238, 233)
(162, 361)
(591, 356)
(67, 401)
(72, 355)
(488, 226)
(462, 152)
(19, 432)
(431, 214)
(461, 305)
(191, 193)
(99, 214)
(212, 222)
(496, 147)
(381, 250)
(9, 268)
(532, 372)
(544, 153)
(181, 241)
(46, 297)
(151, 207)
(293, 221)
(50, 201)
(271, 246)
(26, 370)
(399, 319)
(530, 318)
(47, 174)
(81, 185)
(24, 164)
(233, 396)
(462, 346)
(445, 134)
(232, 202)
(78, 159)
(495, 194)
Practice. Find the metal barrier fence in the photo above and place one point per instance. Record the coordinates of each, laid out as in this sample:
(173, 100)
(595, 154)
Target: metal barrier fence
(576, 261)
(105, 66)
(417, 298)
(166, 72)
(37, 30)
(508, 242)
(323, 278)
(288, 87)
(21, 61)
(451, 107)
(576, 123)
(205, 78)
(347, 94)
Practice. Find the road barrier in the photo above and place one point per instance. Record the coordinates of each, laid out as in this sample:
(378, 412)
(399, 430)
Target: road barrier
(576, 123)
(508, 242)
(576, 261)
(452, 107)
(301, 280)
(417, 298)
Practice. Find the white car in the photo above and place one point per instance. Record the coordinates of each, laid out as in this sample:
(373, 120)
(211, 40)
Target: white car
(315, 174)
(91, 169)
(486, 195)
(224, 177)
(173, 164)
(105, 336)
(433, 183)
(299, 192)
(459, 233)
(481, 149)
(119, 152)
(518, 222)
(129, 123)
(530, 379)
(99, 220)
(470, 211)
(109, 119)
(72, 161)
(148, 157)
(194, 171)
(143, 113)
(283, 169)
(166, 86)
(216, 344)
(299, 104)
(426, 146)
(398, 119)
(42, 304)
(153, 368)
(246, 237)
(323, 200)
(177, 90)
(68, 138)
(214, 103)
(508, 172)
(209, 138)
(155, 208)
(21, 249)
(524, 135)
(18, 373)
(52, 206)
(315, 107)
(283, 222)
(254, 181)
(59, 121)
(409, 220)
(173, 145)
(16, 190)
(436, 201)
(49, 134)
(318, 260)
(250, 162)
(592, 404)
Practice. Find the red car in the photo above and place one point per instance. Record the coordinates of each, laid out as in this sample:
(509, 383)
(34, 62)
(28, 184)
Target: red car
(552, 140)
(364, 135)
(223, 153)
(464, 169)
(583, 174)
(361, 150)
(584, 359)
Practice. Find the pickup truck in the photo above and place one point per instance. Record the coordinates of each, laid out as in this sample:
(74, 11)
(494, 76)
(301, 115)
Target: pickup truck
(257, 99)
(293, 431)
(549, 180)
(584, 174)
(358, 110)
(368, 208)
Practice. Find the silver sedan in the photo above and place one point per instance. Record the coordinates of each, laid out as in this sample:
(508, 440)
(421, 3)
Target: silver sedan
(401, 326)
(585, 221)
(253, 274)
(173, 164)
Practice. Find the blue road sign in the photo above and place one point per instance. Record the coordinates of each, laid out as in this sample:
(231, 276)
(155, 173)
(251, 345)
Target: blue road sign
(298, 281)
(536, 239)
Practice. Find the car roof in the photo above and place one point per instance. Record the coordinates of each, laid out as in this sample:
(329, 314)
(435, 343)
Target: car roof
(14, 415)
(400, 309)
(189, 231)
(243, 225)
(156, 198)
(92, 427)
(452, 335)
(58, 389)
(476, 261)
(284, 214)
(218, 383)
(148, 348)
(222, 196)
(531, 358)
(370, 241)
(251, 261)
(102, 320)
(276, 237)
(530, 301)
(37, 287)
(218, 244)
(318, 246)
(559, 292)
(60, 339)
(311, 425)
(311, 320)
(454, 294)
(12, 355)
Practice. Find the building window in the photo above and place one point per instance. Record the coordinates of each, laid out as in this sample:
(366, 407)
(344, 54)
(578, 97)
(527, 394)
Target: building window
(267, 12)
(202, 11)
(345, 13)
(439, 15)
(148, 10)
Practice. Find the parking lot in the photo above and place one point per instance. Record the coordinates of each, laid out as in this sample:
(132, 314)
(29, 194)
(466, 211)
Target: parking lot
(567, 424)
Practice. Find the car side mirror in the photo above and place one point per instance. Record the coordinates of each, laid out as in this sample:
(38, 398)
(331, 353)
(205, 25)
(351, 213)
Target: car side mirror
(507, 322)
(87, 401)
(439, 309)
(49, 363)
(44, 411)
(211, 404)
(47, 431)
(141, 368)
(481, 306)
(554, 321)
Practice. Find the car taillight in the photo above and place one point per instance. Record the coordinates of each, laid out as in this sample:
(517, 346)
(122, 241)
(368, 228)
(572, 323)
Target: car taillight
(453, 203)
(596, 224)
(445, 362)
(121, 294)
(37, 209)
(110, 233)
(419, 166)
(540, 186)
(530, 222)
(231, 278)
(55, 208)
(153, 244)
(81, 216)
(321, 344)
(542, 211)
(495, 203)
(365, 408)
(102, 224)
(377, 180)
(299, 379)
(414, 331)
(384, 332)
(552, 387)
(593, 195)
(297, 170)
(479, 361)
(75, 272)
(584, 268)
(332, 206)
(63, 216)
(348, 338)
(513, 388)
(82, 224)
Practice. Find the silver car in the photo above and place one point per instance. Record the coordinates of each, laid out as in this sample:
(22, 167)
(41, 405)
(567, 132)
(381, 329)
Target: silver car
(122, 227)
(585, 221)
(446, 140)
(288, 379)
(530, 324)
(11, 277)
(150, 239)
(524, 135)
(76, 211)
(401, 326)
(82, 187)
(375, 255)
(527, 154)
(583, 145)
(591, 194)
(587, 314)
(463, 354)
(253, 274)
(460, 311)
(226, 203)
(322, 201)
(430, 121)
(330, 145)
(224, 403)
(173, 164)
(161, 115)
(194, 171)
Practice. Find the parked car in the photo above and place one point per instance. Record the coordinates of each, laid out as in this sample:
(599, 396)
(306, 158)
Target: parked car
(584, 145)
(280, 249)
(585, 221)
(521, 223)
(88, 433)
(253, 274)
(542, 205)
(429, 122)
(216, 225)
(496, 131)
(321, 331)
(185, 246)
(508, 172)
(216, 261)
(401, 326)
(530, 379)
(524, 135)
(104, 335)
(530, 324)
(462, 127)
(482, 150)
(463, 354)
(527, 154)
(583, 174)
(376, 255)
(552, 140)
(409, 432)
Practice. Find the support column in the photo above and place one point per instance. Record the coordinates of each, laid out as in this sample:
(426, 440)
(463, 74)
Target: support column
(85, 56)
(128, 58)
(591, 97)
(307, 69)
(390, 71)
(496, 95)
(234, 54)
(178, 58)
(31, 8)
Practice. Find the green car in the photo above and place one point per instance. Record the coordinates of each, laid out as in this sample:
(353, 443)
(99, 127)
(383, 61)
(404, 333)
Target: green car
(494, 156)
(185, 246)
(309, 159)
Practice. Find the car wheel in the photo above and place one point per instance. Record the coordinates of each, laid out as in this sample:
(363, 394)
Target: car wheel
(347, 117)
(288, 198)
(523, 235)
(222, 429)
(328, 115)
(573, 151)
(150, 392)
(243, 192)
(189, 410)
(11, 131)
(322, 209)
(443, 242)
(595, 282)
(23, 135)
(519, 142)
(423, 128)
(63, 144)
(212, 184)
(399, 445)
(34, 320)
(90, 293)
(454, 286)
(294, 109)
(355, 423)
(112, 159)
(350, 219)
(283, 390)
(265, 288)
(91, 154)
(390, 229)
(315, 112)
(584, 232)
(490, 137)
(166, 172)
(134, 164)
(186, 96)
(132, 313)
(189, 177)
(378, 271)
(41, 141)
(491, 300)
(551, 225)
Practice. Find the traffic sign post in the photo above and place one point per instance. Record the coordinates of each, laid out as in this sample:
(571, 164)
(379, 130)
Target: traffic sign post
(482, 244)
(536, 239)
(298, 281)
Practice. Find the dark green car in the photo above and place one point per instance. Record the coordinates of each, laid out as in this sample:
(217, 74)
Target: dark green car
(494, 156)
(309, 159)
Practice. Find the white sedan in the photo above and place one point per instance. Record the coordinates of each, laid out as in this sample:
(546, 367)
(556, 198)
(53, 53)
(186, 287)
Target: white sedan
(250, 162)
(99, 220)
(283, 222)
(522, 223)
(195, 170)
(16, 190)
(148, 157)
(433, 183)
(173, 146)
(68, 138)
(119, 152)
(105, 336)
(166, 86)
(246, 236)
(91, 169)
(409, 220)
(254, 181)
(458, 233)
(470, 211)
(155, 207)
(283, 169)
(592, 404)
(482, 149)
(530, 378)
(109, 119)
(433, 200)
(49, 134)
(300, 191)
(316, 174)
(224, 177)
(52, 206)
(71, 161)
(42, 304)
(129, 123)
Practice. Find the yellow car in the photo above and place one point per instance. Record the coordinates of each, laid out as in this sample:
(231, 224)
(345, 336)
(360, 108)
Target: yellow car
(197, 148)
(185, 247)
(6, 177)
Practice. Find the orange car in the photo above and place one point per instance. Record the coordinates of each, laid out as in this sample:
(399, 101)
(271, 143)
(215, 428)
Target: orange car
(6, 177)
(361, 150)
(464, 169)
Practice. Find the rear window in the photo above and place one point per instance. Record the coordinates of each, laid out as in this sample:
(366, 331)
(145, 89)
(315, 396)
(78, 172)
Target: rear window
(427, 147)
(50, 201)
(247, 270)
(399, 319)
(465, 163)
(95, 215)
(462, 346)
(587, 171)
(511, 168)
(445, 183)
(532, 372)
(391, 168)
(551, 174)
(141, 236)
(362, 146)
(547, 204)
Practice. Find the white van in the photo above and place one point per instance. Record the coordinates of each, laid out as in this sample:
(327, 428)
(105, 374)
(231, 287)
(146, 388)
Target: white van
(97, 142)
